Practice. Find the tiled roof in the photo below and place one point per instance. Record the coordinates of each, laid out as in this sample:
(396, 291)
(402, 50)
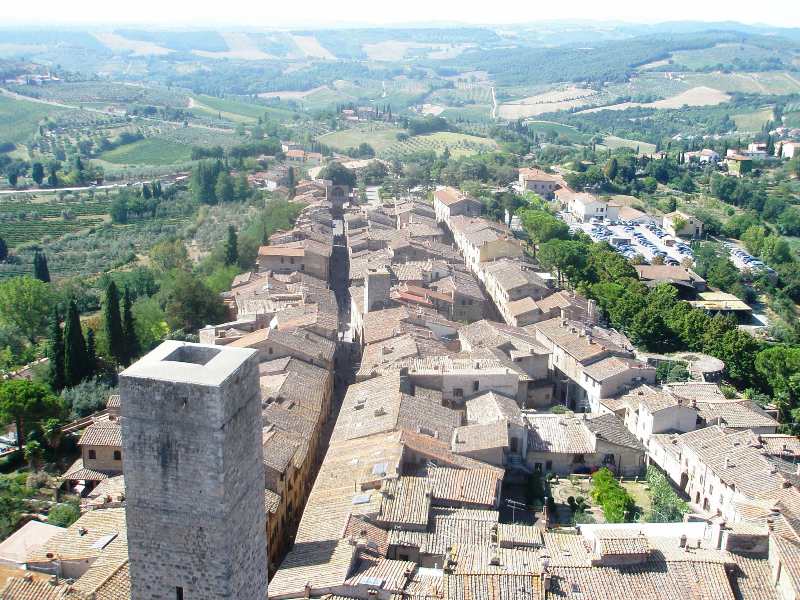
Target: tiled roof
(611, 366)
(491, 407)
(271, 501)
(103, 432)
(559, 434)
(405, 501)
(77, 472)
(468, 487)
(739, 414)
(80, 540)
(610, 428)
(472, 438)
(28, 588)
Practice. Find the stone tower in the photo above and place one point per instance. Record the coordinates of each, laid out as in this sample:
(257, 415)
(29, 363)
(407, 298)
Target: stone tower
(194, 474)
(377, 288)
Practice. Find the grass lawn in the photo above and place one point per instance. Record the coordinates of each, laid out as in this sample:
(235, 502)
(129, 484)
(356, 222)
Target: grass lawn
(149, 151)
(752, 121)
(19, 119)
(377, 136)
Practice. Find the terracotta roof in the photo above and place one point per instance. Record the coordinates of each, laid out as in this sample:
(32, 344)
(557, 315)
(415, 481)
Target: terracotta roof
(102, 433)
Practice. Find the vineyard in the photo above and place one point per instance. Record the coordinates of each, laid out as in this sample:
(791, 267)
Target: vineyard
(104, 93)
(23, 221)
(458, 144)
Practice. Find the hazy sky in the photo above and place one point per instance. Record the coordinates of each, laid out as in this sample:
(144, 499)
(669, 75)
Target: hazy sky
(309, 13)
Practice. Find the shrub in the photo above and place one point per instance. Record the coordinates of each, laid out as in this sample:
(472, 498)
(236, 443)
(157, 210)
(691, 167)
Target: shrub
(667, 506)
(64, 514)
(616, 502)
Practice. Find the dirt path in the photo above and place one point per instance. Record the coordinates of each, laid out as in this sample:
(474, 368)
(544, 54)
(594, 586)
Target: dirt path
(494, 104)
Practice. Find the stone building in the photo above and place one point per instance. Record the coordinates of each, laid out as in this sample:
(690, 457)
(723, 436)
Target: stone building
(192, 457)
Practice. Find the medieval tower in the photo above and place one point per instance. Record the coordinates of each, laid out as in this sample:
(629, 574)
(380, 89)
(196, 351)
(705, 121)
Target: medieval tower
(194, 474)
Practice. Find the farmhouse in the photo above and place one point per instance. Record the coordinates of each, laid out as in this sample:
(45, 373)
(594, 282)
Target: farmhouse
(539, 182)
(679, 224)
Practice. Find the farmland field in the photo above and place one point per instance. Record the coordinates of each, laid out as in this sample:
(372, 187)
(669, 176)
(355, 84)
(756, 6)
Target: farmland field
(30, 220)
(377, 136)
(552, 101)
(772, 82)
(753, 121)
(614, 142)
(550, 127)
(235, 110)
(696, 96)
(458, 144)
(19, 119)
(722, 54)
(149, 151)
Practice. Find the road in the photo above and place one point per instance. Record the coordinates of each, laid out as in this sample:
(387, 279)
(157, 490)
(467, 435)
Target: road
(494, 103)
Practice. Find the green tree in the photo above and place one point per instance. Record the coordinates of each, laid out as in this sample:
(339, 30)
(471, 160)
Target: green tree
(231, 247)
(64, 514)
(75, 362)
(37, 173)
(26, 304)
(40, 269)
(56, 354)
(223, 188)
(25, 403)
(3, 250)
(611, 169)
(567, 258)
(33, 454)
(51, 430)
(338, 174)
(91, 354)
(112, 325)
(132, 347)
(543, 227)
(191, 305)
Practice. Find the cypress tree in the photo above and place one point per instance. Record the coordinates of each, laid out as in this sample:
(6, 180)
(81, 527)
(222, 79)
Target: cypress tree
(132, 349)
(56, 354)
(231, 247)
(75, 367)
(91, 354)
(3, 250)
(40, 270)
(112, 322)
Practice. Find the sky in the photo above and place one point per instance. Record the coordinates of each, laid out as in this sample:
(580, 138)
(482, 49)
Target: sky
(325, 13)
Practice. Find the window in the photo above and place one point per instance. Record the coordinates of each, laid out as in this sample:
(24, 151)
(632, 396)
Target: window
(458, 392)
(608, 459)
(92, 454)
(270, 350)
(578, 459)
(179, 593)
(548, 465)
(537, 467)
(117, 455)
(476, 385)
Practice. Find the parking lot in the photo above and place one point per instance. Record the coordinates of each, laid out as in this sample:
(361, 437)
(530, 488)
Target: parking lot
(744, 261)
(631, 238)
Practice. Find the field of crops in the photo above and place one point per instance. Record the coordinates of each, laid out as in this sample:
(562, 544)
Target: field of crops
(27, 220)
(149, 151)
(19, 119)
(236, 110)
(105, 93)
(770, 82)
(377, 135)
(458, 144)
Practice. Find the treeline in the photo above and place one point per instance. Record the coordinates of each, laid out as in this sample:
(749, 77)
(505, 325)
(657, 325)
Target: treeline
(269, 147)
(211, 183)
